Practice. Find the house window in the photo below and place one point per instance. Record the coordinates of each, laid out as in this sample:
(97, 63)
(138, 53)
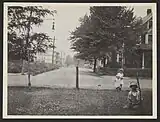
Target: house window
(149, 39)
(150, 24)
(143, 39)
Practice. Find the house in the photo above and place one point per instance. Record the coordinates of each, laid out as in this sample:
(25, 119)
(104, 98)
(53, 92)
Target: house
(44, 57)
(57, 59)
(47, 56)
(145, 48)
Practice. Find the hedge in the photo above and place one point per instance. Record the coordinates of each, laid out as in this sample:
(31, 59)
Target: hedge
(35, 67)
(128, 72)
(14, 66)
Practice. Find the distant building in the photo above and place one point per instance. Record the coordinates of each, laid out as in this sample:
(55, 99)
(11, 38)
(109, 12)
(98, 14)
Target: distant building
(44, 57)
(47, 57)
(62, 57)
(57, 59)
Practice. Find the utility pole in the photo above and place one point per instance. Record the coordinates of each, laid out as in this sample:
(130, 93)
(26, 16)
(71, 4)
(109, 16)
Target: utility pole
(53, 51)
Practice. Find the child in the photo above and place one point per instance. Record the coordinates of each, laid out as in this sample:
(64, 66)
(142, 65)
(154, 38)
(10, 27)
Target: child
(119, 80)
(133, 97)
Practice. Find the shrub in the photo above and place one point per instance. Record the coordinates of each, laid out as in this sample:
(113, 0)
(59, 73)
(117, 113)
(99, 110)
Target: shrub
(35, 67)
(14, 66)
(132, 72)
(114, 65)
(129, 72)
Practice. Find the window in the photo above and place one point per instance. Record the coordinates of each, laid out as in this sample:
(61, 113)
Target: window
(143, 39)
(150, 24)
(149, 39)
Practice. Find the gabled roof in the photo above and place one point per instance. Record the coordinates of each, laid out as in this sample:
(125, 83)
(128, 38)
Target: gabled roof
(147, 18)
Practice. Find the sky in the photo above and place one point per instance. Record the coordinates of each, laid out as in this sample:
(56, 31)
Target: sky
(66, 20)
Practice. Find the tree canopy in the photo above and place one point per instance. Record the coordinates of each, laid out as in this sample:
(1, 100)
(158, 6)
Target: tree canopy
(106, 29)
(21, 21)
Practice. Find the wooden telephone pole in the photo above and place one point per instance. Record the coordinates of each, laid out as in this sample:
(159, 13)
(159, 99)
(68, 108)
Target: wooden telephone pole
(53, 51)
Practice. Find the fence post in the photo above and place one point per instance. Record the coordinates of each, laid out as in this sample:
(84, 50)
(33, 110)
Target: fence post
(77, 78)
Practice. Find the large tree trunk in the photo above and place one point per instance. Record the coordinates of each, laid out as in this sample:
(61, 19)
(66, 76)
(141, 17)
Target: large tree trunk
(23, 62)
(28, 51)
(95, 64)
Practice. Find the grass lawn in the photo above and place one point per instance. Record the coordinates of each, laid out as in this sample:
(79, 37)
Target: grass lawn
(62, 101)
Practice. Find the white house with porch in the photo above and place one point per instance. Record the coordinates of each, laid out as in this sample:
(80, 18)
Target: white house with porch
(145, 48)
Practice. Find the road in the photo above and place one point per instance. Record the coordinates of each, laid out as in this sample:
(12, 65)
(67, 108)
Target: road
(66, 77)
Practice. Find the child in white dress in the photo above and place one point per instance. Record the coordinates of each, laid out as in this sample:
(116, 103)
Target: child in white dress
(119, 80)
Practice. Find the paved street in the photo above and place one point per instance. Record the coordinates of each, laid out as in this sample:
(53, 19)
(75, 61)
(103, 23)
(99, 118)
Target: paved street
(65, 77)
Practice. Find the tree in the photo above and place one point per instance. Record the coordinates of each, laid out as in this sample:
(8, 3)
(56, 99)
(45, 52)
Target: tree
(21, 21)
(113, 27)
(118, 26)
(84, 41)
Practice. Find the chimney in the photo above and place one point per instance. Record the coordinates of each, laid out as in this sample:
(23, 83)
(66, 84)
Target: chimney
(149, 11)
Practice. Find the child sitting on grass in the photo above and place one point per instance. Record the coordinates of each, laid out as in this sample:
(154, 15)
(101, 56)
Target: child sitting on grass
(119, 80)
(133, 97)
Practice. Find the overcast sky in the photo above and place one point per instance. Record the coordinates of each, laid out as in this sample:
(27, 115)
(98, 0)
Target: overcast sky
(66, 21)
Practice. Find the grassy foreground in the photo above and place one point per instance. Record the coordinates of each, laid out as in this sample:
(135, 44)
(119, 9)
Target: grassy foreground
(61, 101)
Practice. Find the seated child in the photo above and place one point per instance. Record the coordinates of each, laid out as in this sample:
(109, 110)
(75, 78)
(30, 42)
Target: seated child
(119, 80)
(133, 97)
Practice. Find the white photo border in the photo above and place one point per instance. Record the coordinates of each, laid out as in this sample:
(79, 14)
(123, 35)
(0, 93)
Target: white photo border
(154, 61)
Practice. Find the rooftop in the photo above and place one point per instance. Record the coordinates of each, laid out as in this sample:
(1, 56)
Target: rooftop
(147, 18)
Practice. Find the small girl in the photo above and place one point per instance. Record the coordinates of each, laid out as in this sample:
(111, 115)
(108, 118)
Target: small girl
(133, 97)
(119, 80)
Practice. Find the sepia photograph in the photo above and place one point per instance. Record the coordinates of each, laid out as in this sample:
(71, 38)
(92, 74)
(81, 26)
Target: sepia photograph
(79, 60)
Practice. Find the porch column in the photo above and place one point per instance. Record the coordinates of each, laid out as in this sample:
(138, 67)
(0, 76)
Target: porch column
(118, 57)
(143, 60)
(146, 38)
